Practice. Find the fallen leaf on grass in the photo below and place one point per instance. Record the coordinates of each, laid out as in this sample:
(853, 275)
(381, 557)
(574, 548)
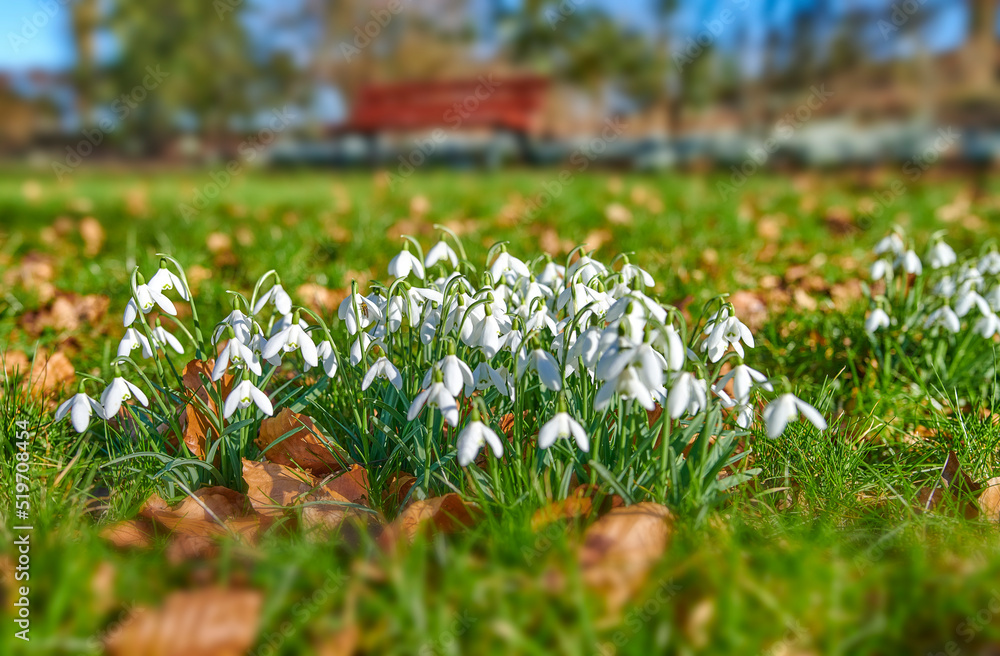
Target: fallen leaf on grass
(67, 312)
(210, 622)
(444, 514)
(50, 373)
(321, 299)
(305, 447)
(953, 486)
(135, 533)
(621, 547)
(351, 484)
(989, 500)
(272, 487)
(579, 503)
(92, 234)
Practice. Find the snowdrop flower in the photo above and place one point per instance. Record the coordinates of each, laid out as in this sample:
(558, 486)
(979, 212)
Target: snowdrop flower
(235, 354)
(165, 279)
(944, 316)
(910, 262)
(80, 408)
(786, 408)
(941, 255)
(257, 344)
(430, 323)
(890, 243)
(505, 262)
(511, 342)
(585, 269)
(359, 347)
(877, 320)
(945, 287)
(552, 275)
(990, 263)
(368, 312)
(404, 263)
(484, 376)
(672, 346)
(744, 377)
(687, 396)
(132, 340)
(241, 324)
(563, 426)
(988, 326)
(880, 269)
(278, 297)
(435, 396)
(292, 338)
(440, 251)
(382, 368)
(539, 320)
(473, 437)
(162, 339)
(486, 335)
(630, 386)
(630, 272)
(456, 374)
(587, 347)
(118, 391)
(147, 297)
(243, 396)
(726, 332)
(327, 357)
(967, 299)
(543, 363)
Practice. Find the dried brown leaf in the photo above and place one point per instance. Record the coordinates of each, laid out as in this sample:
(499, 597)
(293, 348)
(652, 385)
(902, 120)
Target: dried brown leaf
(444, 514)
(306, 447)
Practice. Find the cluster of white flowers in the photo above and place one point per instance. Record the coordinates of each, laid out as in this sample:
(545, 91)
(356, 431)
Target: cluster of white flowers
(583, 330)
(948, 290)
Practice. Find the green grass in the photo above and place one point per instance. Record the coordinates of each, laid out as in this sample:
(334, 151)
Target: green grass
(822, 551)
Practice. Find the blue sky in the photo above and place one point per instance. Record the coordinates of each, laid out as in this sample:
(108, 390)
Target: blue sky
(50, 45)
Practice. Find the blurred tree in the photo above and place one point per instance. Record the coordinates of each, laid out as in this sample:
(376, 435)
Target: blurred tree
(84, 17)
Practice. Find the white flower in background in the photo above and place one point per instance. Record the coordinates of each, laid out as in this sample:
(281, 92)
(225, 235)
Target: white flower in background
(406, 263)
(80, 408)
(165, 279)
(543, 363)
(563, 426)
(585, 268)
(241, 324)
(359, 346)
(368, 312)
(744, 379)
(118, 391)
(530, 290)
(132, 340)
(891, 243)
(507, 263)
(327, 357)
(725, 332)
(587, 346)
(486, 335)
(540, 320)
(687, 396)
(910, 262)
(990, 263)
(473, 437)
(292, 338)
(630, 386)
(553, 275)
(969, 297)
(429, 325)
(877, 320)
(456, 374)
(278, 297)
(243, 396)
(672, 346)
(238, 355)
(786, 408)
(438, 252)
(941, 255)
(880, 269)
(993, 298)
(162, 338)
(631, 272)
(382, 368)
(257, 344)
(485, 376)
(148, 298)
(945, 287)
(944, 317)
(511, 342)
(987, 326)
(435, 396)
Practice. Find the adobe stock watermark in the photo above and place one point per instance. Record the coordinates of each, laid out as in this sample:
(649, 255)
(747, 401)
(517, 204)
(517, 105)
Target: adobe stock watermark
(638, 617)
(914, 168)
(694, 46)
(32, 25)
(21, 590)
(445, 641)
(455, 116)
(365, 34)
(562, 11)
(302, 611)
(900, 15)
(784, 129)
(579, 161)
(248, 150)
(971, 626)
(122, 106)
(795, 634)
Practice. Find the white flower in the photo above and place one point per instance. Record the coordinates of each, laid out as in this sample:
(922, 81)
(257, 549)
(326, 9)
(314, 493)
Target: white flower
(880, 269)
(148, 297)
(990, 263)
(163, 339)
(165, 279)
(326, 355)
(243, 396)
(941, 255)
(484, 376)
(988, 325)
(404, 263)
(382, 368)
(744, 377)
(505, 262)
(367, 310)
(360, 346)
(80, 408)
(553, 275)
(132, 340)
(946, 317)
(544, 364)
(118, 391)
(630, 386)
(587, 347)
(585, 268)
(471, 440)
(486, 335)
(562, 425)
(440, 251)
(276, 295)
(670, 344)
(291, 339)
(726, 331)
(967, 299)
(877, 320)
(239, 322)
(235, 354)
(435, 396)
(687, 396)
(456, 374)
(630, 272)
(891, 242)
(257, 344)
(786, 408)
(910, 262)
